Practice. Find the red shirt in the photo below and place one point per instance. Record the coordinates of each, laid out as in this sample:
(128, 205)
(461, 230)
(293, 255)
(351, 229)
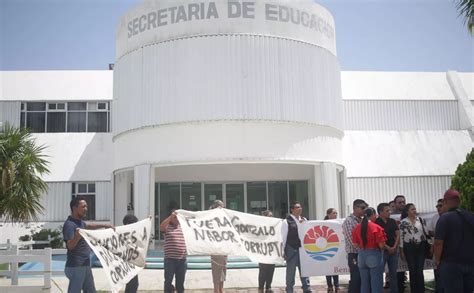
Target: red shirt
(375, 235)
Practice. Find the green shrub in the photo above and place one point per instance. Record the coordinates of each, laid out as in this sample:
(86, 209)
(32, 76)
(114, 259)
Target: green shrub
(463, 181)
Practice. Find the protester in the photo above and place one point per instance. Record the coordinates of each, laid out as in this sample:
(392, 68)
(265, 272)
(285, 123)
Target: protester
(370, 238)
(397, 215)
(390, 253)
(132, 285)
(175, 253)
(413, 242)
(392, 206)
(431, 231)
(292, 244)
(454, 246)
(218, 262)
(349, 224)
(78, 266)
(331, 214)
(265, 271)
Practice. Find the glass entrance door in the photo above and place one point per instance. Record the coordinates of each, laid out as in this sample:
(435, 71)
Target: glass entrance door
(211, 193)
(234, 197)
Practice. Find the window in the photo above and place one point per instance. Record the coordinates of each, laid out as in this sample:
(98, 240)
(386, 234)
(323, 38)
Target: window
(65, 116)
(86, 190)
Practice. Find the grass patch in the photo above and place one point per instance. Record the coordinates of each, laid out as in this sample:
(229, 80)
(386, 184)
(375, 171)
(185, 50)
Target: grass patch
(3, 266)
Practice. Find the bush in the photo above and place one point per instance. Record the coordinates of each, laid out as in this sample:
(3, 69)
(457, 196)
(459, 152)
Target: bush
(463, 181)
(44, 235)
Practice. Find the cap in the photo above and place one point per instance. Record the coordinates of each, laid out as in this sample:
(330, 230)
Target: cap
(451, 194)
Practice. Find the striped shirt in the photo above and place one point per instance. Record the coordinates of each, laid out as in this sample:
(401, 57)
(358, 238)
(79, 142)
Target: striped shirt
(347, 227)
(175, 247)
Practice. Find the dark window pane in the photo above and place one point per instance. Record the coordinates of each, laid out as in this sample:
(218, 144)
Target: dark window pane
(191, 196)
(76, 122)
(278, 198)
(91, 188)
(56, 122)
(22, 119)
(82, 188)
(52, 106)
(36, 106)
(211, 193)
(61, 106)
(299, 192)
(35, 121)
(256, 197)
(102, 106)
(234, 197)
(97, 122)
(169, 200)
(77, 106)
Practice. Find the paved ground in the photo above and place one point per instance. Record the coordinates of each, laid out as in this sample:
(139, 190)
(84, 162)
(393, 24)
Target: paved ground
(198, 281)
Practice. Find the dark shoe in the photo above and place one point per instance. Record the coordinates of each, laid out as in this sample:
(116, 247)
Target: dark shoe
(387, 285)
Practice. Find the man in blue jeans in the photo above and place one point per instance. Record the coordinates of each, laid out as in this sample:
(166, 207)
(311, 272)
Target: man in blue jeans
(454, 242)
(78, 263)
(391, 245)
(292, 244)
(349, 224)
(175, 253)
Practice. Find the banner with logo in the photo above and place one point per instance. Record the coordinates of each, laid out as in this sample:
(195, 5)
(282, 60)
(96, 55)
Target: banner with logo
(122, 252)
(226, 232)
(323, 249)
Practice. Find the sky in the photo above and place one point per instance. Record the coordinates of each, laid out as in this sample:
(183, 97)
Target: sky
(371, 35)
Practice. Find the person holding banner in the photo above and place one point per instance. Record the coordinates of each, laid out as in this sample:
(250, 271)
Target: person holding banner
(218, 262)
(331, 214)
(370, 238)
(78, 262)
(175, 253)
(292, 244)
(265, 271)
(132, 285)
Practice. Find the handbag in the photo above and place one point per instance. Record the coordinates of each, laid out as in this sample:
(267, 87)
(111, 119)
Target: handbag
(428, 246)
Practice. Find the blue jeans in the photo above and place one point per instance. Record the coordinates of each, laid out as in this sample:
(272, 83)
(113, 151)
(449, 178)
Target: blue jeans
(354, 282)
(292, 261)
(80, 278)
(392, 264)
(456, 277)
(174, 268)
(415, 257)
(370, 262)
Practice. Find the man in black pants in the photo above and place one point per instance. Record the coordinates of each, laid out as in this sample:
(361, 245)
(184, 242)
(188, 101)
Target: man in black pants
(358, 207)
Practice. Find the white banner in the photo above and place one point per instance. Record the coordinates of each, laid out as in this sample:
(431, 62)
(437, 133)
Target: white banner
(122, 252)
(323, 249)
(227, 232)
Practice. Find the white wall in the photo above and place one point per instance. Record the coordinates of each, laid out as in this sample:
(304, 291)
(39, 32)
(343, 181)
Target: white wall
(377, 85)
(56, 85)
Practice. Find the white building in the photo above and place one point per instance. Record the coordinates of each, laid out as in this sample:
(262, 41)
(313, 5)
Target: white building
(244, 103)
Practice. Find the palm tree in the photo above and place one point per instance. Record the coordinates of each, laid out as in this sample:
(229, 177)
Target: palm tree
(466, 10)
(21, 165)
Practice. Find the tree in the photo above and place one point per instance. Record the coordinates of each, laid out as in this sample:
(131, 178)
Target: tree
(463, 181)
(22, 164)
(466, 10)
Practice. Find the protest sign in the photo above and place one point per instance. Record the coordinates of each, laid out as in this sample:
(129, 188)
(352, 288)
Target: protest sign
(122, 252)
(226, 232)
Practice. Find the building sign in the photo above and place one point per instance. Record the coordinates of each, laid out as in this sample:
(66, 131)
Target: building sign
(158, 21)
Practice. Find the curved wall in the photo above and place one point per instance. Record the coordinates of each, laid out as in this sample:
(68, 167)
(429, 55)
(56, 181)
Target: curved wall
(255, 70)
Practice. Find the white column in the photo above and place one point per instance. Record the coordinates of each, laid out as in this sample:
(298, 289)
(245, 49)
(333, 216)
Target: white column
(122, 182)
(143, 191)
(326, 189)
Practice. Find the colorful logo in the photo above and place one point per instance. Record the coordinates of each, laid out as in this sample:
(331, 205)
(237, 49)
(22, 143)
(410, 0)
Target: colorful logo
(321, 243)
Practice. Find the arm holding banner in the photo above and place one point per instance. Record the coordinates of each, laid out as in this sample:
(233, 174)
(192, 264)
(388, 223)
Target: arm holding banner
(164, 225)
(92, 226)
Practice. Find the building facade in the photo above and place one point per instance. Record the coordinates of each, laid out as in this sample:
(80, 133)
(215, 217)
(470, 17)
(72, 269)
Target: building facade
(243, 102)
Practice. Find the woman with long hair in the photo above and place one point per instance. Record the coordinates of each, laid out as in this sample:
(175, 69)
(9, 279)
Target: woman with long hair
(413, 243)
(370, 238)
(332, 281)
